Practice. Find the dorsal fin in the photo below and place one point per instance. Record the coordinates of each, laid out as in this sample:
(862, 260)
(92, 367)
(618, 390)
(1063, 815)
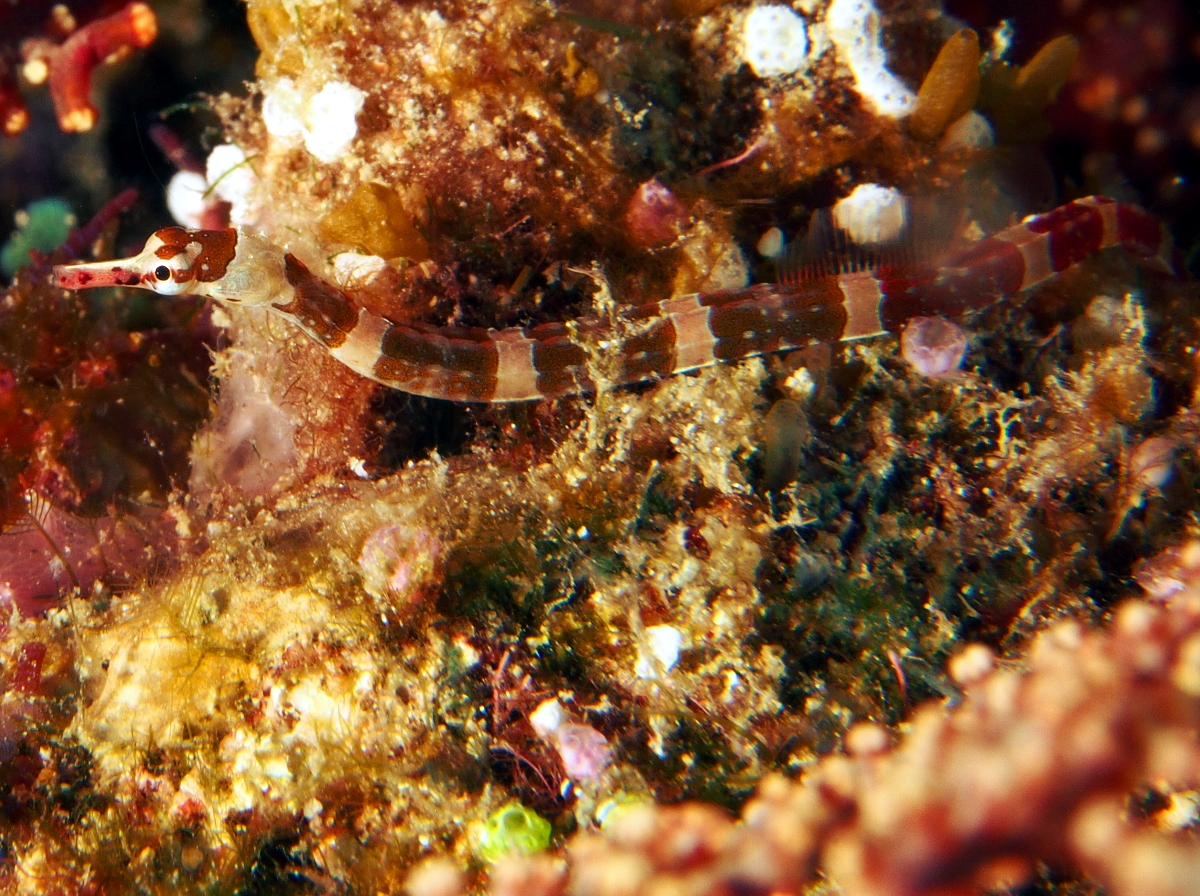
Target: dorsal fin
(935, 230)
(826, 250)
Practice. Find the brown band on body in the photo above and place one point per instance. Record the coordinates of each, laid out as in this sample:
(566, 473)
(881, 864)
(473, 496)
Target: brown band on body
(461, 351)
(322, 309)
(554, 350)
(901, 302)
(1075, 231)
(569, 381)
(761, 323)
(1107, 209)
(1139, 230)
(561, 364)
(434, 382)
(812, 312)
(906, 297)
(460, 365)
(994, 266)
(217, 248)
(651, 353)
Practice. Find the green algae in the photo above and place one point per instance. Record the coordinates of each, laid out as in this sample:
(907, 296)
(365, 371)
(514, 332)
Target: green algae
(43, 227)
(513, 828)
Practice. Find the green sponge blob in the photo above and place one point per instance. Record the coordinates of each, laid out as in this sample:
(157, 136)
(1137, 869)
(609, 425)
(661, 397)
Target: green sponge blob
(44, 226)
(513, 828)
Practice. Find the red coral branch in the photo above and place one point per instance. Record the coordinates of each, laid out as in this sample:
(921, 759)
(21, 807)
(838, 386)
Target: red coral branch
(69, 65)
(81, 237)
(13, 114)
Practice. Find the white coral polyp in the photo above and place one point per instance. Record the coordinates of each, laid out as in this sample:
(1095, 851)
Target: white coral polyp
(854, 28)
(326, 121)
(231, 178)
(354, 270)
(547, 718)
(774, 41)
(186, 199)
(333, 119)
(872, 214)
(282, 109)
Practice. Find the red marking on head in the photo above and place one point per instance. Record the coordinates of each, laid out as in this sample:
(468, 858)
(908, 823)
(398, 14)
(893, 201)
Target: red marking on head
(90, 276)
(174, 242)
(217, 248)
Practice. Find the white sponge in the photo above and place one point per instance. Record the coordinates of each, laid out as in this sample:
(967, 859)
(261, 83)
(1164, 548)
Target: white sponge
(231, 178)
(774, 41)
(326, 120)
(187, 198)
(853, 26)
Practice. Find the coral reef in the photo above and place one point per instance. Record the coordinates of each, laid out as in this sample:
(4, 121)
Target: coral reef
(1035, 763)
(272, 628)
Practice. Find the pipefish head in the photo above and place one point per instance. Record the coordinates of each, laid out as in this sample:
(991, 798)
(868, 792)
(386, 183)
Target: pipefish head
(173, 262)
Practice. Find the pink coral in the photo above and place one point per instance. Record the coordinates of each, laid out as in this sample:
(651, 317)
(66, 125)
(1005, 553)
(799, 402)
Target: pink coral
(400, 563)
(654, 216)
(933, 346)
(584, 751)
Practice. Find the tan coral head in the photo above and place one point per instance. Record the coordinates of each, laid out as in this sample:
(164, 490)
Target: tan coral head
(174, 262)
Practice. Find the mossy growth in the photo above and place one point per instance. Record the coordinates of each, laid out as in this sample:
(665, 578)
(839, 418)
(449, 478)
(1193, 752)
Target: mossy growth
(280, 30)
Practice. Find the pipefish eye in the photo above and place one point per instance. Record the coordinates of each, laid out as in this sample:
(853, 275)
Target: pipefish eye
(162, 272)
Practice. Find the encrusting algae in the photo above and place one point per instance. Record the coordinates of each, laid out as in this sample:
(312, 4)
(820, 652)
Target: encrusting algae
(374, 643)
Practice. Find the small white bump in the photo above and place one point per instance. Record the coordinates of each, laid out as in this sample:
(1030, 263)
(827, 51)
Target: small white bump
(872, 214)
(661, 649)
(774, 41)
